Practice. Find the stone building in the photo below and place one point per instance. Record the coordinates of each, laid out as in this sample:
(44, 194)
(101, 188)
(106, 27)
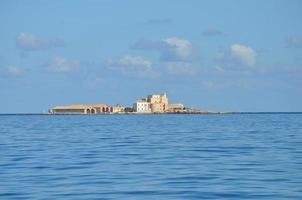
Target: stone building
(158, 107)
(159, 103)
(142, 106)
(117, 109)
(154, 103)
(174, 107)
(80, 109)
(156, 98)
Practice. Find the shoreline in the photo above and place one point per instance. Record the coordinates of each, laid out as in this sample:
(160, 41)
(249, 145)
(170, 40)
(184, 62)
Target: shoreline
(221, 113)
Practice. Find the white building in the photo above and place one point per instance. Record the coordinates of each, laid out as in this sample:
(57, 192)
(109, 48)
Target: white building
(142, 106)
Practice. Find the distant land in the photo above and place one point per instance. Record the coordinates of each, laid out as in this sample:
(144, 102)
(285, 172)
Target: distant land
(151, 104)
(228, 113)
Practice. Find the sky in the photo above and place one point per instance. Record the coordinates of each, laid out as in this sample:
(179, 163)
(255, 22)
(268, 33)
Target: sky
(221, 55)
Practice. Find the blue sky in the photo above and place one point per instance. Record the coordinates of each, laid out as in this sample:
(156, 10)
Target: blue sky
(221, 55)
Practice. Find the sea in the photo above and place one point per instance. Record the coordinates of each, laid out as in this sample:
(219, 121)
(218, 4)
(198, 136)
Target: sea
(169, 156)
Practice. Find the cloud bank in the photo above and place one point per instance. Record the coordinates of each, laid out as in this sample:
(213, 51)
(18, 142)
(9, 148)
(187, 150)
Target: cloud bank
(244, 54)
(170, 49)
(31, 42)
(60, 64)
(134, 66)
(11, 71)
(238, 57)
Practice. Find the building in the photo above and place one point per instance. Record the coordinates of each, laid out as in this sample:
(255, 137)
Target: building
(154, 103)
(156, 98)
(142, 106)
(158, 107)
(174, 107)
(159, 103)
(80, 109)
(117, 109)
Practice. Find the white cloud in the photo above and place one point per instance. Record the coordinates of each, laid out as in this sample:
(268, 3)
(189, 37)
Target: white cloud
(238, 57)
(11, 71)
(176, 49)
(177, 56)
(246, 55)
(135, 61)
(180, 68)
(171, 49)
(132, 65)
(31, 42)
(63, 65)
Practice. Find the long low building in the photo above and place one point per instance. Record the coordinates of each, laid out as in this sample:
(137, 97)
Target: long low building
(80, 109)
(174, 107)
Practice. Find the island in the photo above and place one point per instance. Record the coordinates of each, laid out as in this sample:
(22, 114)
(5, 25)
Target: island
(151, 104)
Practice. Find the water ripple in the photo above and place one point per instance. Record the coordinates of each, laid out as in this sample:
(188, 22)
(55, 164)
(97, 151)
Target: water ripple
(249, 156)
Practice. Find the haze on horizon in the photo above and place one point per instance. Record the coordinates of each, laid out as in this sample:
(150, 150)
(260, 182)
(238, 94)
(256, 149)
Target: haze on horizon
(221, 55)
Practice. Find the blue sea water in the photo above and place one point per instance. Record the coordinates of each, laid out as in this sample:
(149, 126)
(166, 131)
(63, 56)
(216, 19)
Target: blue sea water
(231, 156)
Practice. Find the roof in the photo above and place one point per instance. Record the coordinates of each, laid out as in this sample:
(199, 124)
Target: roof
(141, 101)
(80, 106)
(157, 95)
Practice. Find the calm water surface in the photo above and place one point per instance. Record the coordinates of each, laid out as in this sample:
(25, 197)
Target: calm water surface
(240, 156)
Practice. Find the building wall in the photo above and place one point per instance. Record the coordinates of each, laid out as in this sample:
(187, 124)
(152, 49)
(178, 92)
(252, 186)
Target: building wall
(142, 107)
(152, 103)
(158, 107)
(155, 98)
(80, 109)
(68, 111)
(116, 109)
(164, 99)
(175, 106)
(159, 103)
(104, 109)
